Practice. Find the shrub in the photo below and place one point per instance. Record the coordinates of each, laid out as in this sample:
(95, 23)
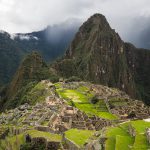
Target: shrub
(31, 146)
(54, 78)
(26, 146)
(94, 100)
(73, 78)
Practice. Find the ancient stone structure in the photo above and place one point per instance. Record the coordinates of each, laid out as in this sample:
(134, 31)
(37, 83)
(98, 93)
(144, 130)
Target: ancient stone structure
(148, 135)
(54, 115)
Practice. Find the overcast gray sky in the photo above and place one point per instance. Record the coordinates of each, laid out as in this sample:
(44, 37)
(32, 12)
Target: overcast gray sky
(31, 15)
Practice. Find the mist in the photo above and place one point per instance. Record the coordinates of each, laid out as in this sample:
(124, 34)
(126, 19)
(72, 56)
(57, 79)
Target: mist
(129, 18)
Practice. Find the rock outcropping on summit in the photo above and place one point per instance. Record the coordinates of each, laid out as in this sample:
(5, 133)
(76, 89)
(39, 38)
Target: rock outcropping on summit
(98, 54)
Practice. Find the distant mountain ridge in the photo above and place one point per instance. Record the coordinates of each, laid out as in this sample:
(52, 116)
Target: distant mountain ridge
(13, 47)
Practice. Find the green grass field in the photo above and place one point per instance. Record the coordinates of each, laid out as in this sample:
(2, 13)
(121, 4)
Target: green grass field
(119, 138)
(140, 142)
(140, 126)
(111, 134)
(123, 142)
(79, 137)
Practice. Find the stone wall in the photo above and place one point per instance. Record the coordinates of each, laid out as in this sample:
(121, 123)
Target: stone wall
(148, 135)
(70, 144)
(45, 144)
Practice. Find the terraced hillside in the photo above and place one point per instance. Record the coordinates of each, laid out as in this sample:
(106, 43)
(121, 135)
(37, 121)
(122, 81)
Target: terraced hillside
(73, 116)
(129, 135)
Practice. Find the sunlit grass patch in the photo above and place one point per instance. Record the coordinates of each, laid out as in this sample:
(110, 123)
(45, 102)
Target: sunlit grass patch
(141, 142)
(79, 137)
(140, 126)
(123, 142)
(74, 95)
(111, 134)
(81, 98)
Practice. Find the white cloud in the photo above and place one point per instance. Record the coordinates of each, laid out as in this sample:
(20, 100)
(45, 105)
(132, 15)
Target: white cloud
(31, 15)
(23, 37)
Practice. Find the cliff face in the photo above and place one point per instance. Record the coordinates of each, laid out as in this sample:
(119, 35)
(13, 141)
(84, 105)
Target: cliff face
(138, 61)
(98, 54)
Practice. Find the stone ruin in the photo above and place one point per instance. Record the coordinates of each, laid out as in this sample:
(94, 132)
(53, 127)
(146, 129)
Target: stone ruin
(56, 116)
(148, 135)
(132, 109)
(40, 141)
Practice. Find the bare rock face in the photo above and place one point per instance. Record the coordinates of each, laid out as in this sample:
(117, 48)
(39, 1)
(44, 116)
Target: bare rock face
(138, 61)
(98, 54)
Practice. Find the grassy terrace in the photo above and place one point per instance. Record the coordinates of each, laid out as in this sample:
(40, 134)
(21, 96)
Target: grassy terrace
(79, 137)
(123, 142)
(111, 133)
(46, 135)
(119, 138)
(140, 143)
(81, 97)
(14, 142)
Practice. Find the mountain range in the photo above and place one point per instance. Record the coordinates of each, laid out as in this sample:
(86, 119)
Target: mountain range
(85, 100)
(50, 43)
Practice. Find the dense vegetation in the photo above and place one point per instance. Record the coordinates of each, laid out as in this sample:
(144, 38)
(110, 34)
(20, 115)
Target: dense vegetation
(10, 56)
(32, 70)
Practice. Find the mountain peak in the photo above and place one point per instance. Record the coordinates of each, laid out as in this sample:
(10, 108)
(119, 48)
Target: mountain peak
(96, 22)
(95, 31)
(98, 17)
(98, 54)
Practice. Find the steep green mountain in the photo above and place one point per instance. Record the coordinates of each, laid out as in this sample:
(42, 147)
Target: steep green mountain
(98, 54)
(32, 70)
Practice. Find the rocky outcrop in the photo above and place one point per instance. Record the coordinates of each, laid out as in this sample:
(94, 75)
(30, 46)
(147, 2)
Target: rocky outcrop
(138, 61)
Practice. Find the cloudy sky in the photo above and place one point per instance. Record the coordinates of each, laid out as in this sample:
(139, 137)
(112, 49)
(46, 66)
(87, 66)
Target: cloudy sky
(30, 15)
